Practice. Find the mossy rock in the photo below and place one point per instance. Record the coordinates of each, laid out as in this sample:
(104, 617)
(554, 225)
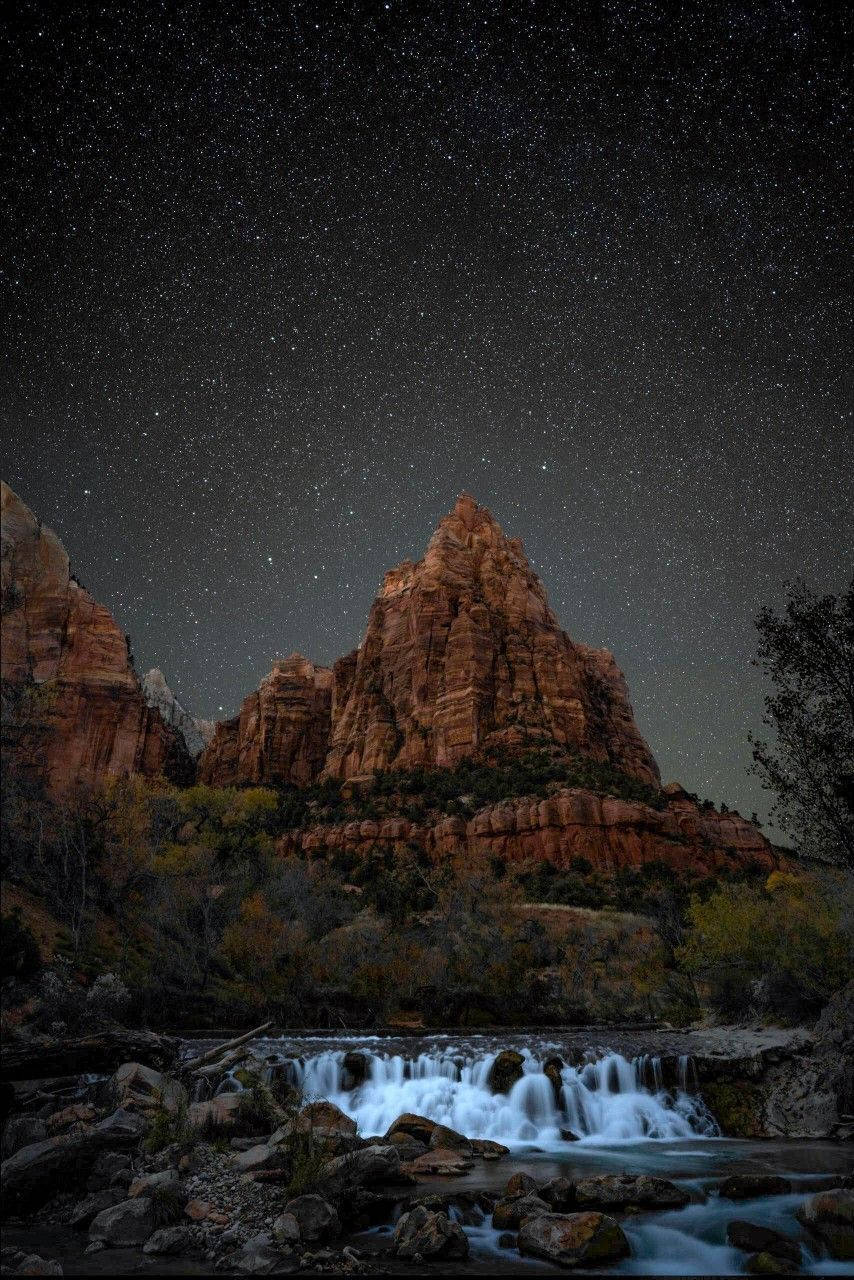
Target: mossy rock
(736, 1107)
(505, 1071)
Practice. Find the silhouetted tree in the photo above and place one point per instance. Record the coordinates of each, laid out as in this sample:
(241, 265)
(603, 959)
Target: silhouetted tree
(808, 654)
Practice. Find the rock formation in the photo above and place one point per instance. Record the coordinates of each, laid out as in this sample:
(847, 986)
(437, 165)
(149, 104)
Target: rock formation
(196, 733)
(463, 653)
(572, 823)
(89, 719)
(282, 732)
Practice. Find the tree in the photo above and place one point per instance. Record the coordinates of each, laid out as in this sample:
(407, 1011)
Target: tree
(808, 654)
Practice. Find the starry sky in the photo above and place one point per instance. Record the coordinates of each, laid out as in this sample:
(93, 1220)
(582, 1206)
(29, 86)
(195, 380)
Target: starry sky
(281, 280)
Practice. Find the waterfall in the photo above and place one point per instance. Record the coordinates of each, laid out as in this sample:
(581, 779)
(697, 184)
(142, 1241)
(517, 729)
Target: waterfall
(610, 1099)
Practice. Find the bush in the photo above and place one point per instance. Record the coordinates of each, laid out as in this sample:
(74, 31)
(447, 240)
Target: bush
(19, 952)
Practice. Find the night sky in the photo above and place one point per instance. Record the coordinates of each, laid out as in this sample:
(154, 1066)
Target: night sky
(280, 280)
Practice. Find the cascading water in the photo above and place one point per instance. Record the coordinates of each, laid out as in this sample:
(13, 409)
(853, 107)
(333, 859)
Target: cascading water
(609, 1100)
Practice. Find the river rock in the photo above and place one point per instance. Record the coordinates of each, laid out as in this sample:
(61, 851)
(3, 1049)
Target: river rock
(258, 1257)
(263, 1155)
(424, 1234)
(128, 1223)
(442, 1162)
(31, 1264)
(443, 1138)
(315, 1217)
(167, 1240)
(110, 1169)
(357, 1067)
(326, 1124)
(37, 1172)
(77, 1113)
(757, 1239)
(560, 1194)
(135, 1085)
(771, 1264)
(552, 1070)
(573, 1239)
(22, 1131)
(219, 1112)
(830, 1215)
(746, 1186)
(87, 1209)
(368, 1165)
(487, 1149)
(417, 1127)
(618, 1190)
(512, 1210)
(520, 1184)
(286, 1231)
(505, 1071)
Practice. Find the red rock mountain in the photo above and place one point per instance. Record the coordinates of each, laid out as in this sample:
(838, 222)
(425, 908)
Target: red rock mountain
(282, 732)
(462, 653)
(93, 719)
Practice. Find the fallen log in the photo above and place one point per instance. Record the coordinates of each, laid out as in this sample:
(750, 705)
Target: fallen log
(219, 1051)
(100, 1052)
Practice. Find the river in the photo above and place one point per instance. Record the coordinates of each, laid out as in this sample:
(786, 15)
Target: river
(628, 1109)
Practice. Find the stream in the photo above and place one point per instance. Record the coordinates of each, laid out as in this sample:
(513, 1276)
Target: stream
(616, 1110)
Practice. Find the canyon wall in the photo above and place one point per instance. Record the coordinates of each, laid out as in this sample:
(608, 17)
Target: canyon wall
(76, 710)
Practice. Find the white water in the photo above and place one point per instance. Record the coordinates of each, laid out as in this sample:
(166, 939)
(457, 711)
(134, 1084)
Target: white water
(602, 1102)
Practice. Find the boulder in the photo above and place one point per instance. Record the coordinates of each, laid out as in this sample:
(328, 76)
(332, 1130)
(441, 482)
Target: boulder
(219, 1112)
(512, 1210)
(448, 1139)
(37, 1172)
(260, 1156)
(362, 1168)
(315, 1217)
(77, 1113)
(753, 1238)
(573, 1239)
(258, 1256)
(326, 1125)
(110, 1169)
(746, 1186)
(438, 1163)
(771, 1264)
(357, 1066)
(619, 1190)
(286, 1231)
(552, 1070)
(168, 1240)
(424, 1234)
(413, 1126)
(87, 1209)
(830, 1216)
(135, 1085)
(164, 1180)
(560, 1194)
(130, 1222)
(32, 1264)
(505, 1071)
(520, 1184)
(22, 1131)
(487, 1149)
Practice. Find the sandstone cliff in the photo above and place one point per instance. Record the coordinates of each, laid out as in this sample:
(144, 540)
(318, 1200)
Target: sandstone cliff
(571, 823)
(462, 652)
(281, 734)
(195, 732)
(91, 717)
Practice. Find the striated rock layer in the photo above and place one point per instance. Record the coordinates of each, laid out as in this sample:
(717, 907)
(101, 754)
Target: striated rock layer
(90, 720)
(610, 833)
(282, 732)
(195, 732)
(462, 652)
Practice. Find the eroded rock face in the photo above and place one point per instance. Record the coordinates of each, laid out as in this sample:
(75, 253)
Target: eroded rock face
(463, 652)
(195, 732)
(281, 734)
(90, 720)
(608, 832)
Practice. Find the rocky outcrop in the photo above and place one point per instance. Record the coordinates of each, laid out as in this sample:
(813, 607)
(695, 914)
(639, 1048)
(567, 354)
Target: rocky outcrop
(462, 654)
(281, 734)
(77, 713)
(572, 823)
(196, 733)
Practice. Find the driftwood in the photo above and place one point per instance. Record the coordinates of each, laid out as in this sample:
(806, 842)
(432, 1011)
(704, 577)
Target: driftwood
(220, 1050)
(224, 1063)
(102, 1051)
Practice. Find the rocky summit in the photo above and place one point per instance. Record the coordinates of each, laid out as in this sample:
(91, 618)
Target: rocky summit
(462, 655)
(463, 659)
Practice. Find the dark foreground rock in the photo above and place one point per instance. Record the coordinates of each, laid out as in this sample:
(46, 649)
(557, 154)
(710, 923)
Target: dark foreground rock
(830, 1216)
(622, 1190)
(39, 1059)
(573, 1239)
(745, 1186)
(428, 1235)
(35, 1173)
(753, 1238)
